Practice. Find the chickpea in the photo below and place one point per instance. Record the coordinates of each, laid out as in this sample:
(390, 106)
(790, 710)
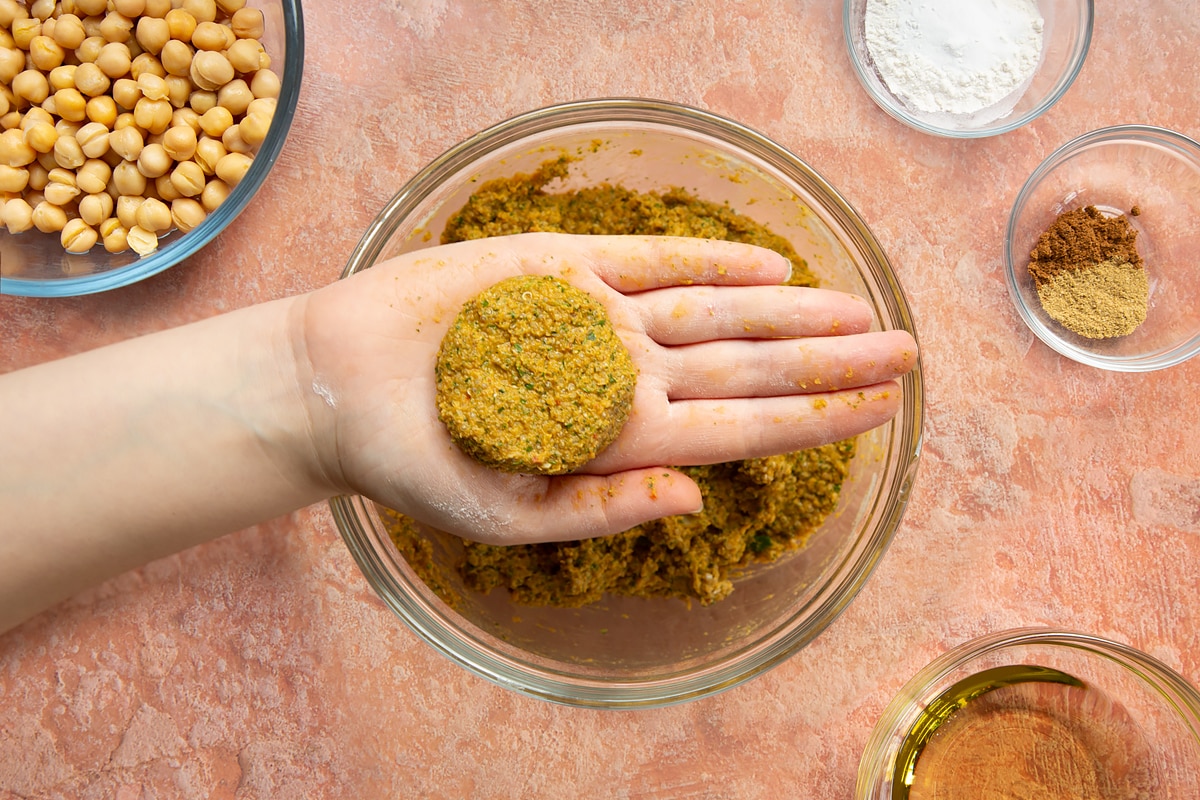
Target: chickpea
(216, 121)
(211, 71)
(13, 150)
(144, 63)
(126, 93)
(202, 101)
(115, 240)
(188, 179)
(265, 83)
(179, 142)
(233, 167)
(116, 27)
(228, 7)
(48, 218)
(234, 141)
(17, 215)
(187, 213)
(209, 151)
(93, 139)
(143, 242)
(95, 208)
(202, 10)
(10, 120)
(90, 80)
(41, 136)
(67, 128)
(186, 117)
(209, 36)
(89, 51)
(91, 25)
(61, 77)
(114, 60)
(68, 31)
(78, 237)
(235, 96)
(45, 53)
(127, 143)
(31, 85)
(35, 115)
(125, 120)
(103, 110)
(39, 176)
(158, 8)
(247, 23)
(5, 103)
(127, 206)
(24, 30)
(93, 177)
(70, 105)
(153, 115)
(153, 161)
(128, 179)
(152, 33)
(176, 58)
(68, 153)
(12, 62)
(13, 179)
(61, 194)
(130, 8)
(47, 160)
(152, 86)
(49, 106)
(181, 24)
(42, 9)
(90, 8)
(11, 10)
(244, 55)
(179, 90)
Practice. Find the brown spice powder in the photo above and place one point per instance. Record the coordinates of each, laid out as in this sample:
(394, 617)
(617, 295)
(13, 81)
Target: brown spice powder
(1080, 239)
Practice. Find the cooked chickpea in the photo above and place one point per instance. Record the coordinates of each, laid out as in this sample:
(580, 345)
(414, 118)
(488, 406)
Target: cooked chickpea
(157, 8)
(39, 176)
(5, 103)
(35, 115)
(265, 83)
(247, 23)
(128, 178)
(61, 194)
(31, 85)
(228, 7)
(78, 237)
(115, 240)
(13, 179)
(245, 55)
(153, 86)
(176, 58)
(41, 136)
(209, 36)
(12, 62)
(67, 128)
(103, 110)
(181, 24)
(144, 63)
(14, 152)
(89, 51)
(95, 208)
(93, 139)
(188, 179)
(235, 96)
(153, 115)
(114, 60)
(202, 10)
(17, 215)
(234, 141)
(62, 77)
(202, 101)
(24, 31)
(143, 242)
(127, 142)
(126, 93)
(216, 121)
(233, 167)
(211, 70)
(68, 153)
(48, 218)
(10, 120)
(152, 33)
(164, 190)
(179, 90)
(70, 105)
(187, 213)
(93, 177)
(116, 27)
(91, 80)
(127, 207)
(68, 31)
(153, 161)
(45, 53)
(187, 117)
(90, 8)
(125, 120)
(180, 142)
(254, 128)
(208, 152)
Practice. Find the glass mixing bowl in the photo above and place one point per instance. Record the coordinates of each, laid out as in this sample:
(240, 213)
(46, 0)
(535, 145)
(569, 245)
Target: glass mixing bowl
(34, 263)
(629, 652)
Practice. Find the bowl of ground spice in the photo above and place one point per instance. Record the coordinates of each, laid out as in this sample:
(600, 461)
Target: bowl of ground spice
(1102, 248)
(967, 68)
(1037, 713)
(682, 607)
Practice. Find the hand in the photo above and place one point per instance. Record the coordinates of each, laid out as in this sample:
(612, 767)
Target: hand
(731, 365)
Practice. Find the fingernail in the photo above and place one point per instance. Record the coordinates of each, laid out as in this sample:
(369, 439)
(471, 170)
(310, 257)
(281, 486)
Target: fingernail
(791, 269)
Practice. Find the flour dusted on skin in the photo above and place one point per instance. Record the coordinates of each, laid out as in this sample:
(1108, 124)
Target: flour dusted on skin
(954, 56)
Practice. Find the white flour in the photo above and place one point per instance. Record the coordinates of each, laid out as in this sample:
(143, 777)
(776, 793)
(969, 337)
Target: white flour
(954, 56)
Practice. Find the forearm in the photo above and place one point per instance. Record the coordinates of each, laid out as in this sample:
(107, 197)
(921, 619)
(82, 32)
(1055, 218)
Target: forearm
(127, 453)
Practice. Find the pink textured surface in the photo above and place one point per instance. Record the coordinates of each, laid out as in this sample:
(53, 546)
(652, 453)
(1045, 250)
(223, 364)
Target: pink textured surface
(261, 665)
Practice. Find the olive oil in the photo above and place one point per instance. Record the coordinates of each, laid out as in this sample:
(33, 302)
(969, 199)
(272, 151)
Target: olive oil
(1023, 733)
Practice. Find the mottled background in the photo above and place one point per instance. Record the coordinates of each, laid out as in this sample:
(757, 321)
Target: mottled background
(261, 665)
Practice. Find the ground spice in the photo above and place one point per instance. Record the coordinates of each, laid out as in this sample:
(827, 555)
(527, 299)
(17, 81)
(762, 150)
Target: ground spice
(1088, 273)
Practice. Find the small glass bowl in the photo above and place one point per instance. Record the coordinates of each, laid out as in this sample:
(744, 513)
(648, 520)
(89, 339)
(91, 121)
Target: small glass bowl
(1115, 169)
(1066, 36)
(34, 263)
(1134, 718)
(626, 652)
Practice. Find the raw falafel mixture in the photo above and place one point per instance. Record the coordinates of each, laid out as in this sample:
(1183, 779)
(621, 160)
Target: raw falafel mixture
(754, 510)
(532, 378)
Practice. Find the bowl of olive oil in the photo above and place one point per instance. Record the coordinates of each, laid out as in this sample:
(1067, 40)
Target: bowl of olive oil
(1037, 713)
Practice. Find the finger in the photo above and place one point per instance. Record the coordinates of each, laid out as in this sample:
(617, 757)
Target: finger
(715, 431)
(637, 263)
(766, 368)
(685, 315)
(587, 506)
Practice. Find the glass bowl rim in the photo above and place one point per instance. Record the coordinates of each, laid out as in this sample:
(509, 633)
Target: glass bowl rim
(876, 765)
(187, 245)
(784, 639)
(891, 106)
(1169, 138)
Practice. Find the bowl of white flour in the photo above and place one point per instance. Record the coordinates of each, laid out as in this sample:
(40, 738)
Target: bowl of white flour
(967, 68)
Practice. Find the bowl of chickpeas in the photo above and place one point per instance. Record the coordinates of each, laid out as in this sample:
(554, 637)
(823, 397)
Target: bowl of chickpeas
(132, 132)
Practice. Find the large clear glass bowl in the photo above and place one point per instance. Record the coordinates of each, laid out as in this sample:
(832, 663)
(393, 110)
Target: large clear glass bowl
(628, 652)
(34, 264)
